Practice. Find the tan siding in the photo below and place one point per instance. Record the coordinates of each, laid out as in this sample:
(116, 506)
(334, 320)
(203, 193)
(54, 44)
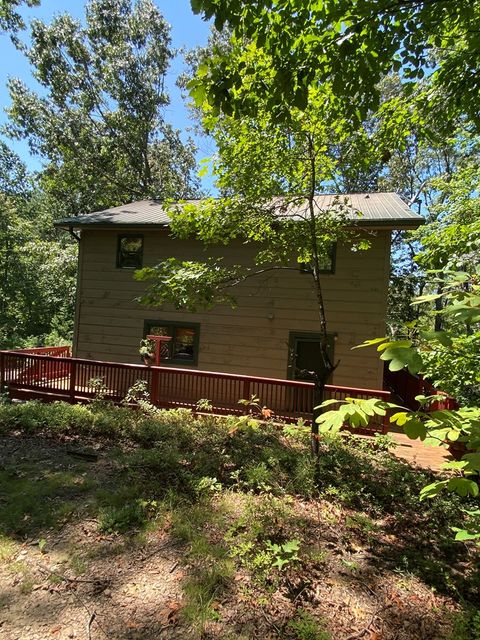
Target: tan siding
(244, 340)
(78, 296)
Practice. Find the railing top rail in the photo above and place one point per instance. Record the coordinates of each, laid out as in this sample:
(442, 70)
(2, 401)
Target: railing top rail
(298, 384)
(170, 370)
(39, 350)
(354, 390)
(45, 357)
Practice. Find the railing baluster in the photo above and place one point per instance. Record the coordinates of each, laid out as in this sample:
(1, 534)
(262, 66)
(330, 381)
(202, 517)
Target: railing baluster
(73, 376)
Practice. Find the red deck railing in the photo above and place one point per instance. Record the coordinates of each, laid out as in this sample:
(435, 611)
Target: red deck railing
(47, 351)
(29, 374)
(406, 387)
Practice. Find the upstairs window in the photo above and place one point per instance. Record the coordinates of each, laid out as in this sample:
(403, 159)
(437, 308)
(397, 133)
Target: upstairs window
(183, 347)
(327, 261)
(130, 252)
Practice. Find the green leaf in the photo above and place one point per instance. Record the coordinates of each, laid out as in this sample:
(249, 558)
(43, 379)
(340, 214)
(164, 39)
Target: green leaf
(394, 344)
(400, 418)
(427, 298)
(473, 461)
(463, 486)
(463, 534)
(327, 403)
(433, 489)
(453, 435)
(369, 343)
(401, 357)
(414, 429)
(440, 336)
(291, 546)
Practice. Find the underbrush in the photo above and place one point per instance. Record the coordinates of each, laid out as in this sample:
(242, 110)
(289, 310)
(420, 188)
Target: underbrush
(255, 514)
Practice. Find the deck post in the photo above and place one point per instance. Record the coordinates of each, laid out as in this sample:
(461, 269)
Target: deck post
(73, 379)
(160, 341)
(2, 371)
(154, 387)
(246, 393)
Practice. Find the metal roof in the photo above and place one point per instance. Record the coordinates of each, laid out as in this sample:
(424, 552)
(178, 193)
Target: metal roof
(365, 209)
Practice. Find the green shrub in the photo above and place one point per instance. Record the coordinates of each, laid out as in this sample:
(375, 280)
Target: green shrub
(306, 627)
(122, 519)
(456, 369)
(466, 625)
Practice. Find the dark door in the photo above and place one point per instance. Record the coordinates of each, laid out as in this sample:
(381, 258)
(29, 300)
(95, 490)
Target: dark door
(304, 354)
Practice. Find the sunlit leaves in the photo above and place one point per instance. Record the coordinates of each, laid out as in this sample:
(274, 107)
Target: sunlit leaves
(472, 530)
(432, 490)
(98, 123)
(10, 20)
(463, 486)
(401, 355)
(369, 343)
(190, 285)
(353, 412)
(347, 47)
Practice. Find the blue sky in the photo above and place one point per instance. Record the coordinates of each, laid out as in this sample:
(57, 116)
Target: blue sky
(188, 31)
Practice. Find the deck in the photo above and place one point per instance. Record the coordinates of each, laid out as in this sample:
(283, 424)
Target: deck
(50, 374)
(419, 454)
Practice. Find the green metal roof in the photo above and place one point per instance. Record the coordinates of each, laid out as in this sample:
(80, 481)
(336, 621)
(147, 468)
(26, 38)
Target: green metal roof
(365, 209)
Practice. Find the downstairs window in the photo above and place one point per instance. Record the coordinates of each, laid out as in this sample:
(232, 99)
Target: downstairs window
(183, 347)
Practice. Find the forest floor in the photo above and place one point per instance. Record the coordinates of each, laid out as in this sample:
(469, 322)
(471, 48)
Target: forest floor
(89, 550)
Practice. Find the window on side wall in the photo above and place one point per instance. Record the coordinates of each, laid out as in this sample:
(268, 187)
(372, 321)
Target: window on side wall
(304, 354)
(130, 251)
(327, 261)
(183, 347)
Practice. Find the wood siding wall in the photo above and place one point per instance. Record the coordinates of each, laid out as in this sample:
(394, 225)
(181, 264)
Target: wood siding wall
(246, 340)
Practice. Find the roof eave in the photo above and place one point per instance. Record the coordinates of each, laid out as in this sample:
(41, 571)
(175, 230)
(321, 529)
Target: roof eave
(102, 226)
(397, 225)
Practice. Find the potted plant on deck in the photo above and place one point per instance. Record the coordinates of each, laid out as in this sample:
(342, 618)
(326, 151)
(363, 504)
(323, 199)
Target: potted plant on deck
(147, 351)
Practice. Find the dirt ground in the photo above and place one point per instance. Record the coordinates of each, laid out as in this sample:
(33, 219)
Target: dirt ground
(63, 577)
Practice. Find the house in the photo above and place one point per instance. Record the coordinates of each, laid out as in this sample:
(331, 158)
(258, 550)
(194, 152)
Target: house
(273, 332)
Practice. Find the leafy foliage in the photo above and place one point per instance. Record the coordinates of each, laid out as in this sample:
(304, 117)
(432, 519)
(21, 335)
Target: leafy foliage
(436, 426)
(187, 284)
(452, 240)
(10, 20)
(455, 368)
(345, 46)
(13, 173)
(98, 122)
(37, 289)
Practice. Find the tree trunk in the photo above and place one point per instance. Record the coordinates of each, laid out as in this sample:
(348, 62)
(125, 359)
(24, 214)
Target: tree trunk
(318, 397)
(328, 367)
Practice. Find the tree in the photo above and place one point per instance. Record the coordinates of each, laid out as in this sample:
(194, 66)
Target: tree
(13, 173)
(419, 163)
(269, 175)
(438, 427)
(10, 20)
(452, 239)
(37, 264)
(345, 45)
(99, 121)
(38, 274)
